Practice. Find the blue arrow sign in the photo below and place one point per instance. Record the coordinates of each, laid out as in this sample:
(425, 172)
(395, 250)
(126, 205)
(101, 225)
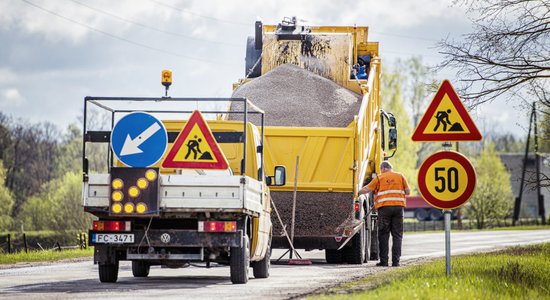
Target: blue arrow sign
(139, 140)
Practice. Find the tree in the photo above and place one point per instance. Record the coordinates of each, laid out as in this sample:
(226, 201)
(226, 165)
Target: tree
(6, 202)
(418, 83)
(492, 199)
(405, 157)
(507, 54)
(57, 207)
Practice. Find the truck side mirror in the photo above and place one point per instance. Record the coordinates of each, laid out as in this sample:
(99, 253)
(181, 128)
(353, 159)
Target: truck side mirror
(392, 143)
(391, 121)
(279, 178)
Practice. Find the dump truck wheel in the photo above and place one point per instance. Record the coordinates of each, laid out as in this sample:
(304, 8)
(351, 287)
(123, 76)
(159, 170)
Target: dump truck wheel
(261, 268)
(140, 268)
(356, 252)
(333, 256)
(108, 272)
(239, 261)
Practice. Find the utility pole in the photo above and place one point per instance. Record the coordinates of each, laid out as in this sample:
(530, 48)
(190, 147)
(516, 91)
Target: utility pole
(540, 199)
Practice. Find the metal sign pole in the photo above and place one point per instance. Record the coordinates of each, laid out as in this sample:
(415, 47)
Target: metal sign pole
(447, 215)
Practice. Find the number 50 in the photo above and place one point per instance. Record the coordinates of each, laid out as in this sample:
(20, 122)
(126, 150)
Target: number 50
(449, 182)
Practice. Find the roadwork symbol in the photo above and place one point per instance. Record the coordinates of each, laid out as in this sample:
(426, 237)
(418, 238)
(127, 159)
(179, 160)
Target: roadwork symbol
(201, 150)
(443, 119)
(446, 119)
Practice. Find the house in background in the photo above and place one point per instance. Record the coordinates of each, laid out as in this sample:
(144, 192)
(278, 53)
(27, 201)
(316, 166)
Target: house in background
(529, 202)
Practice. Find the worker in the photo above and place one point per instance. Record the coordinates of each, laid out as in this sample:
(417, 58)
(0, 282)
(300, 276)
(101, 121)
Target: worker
(389, 189)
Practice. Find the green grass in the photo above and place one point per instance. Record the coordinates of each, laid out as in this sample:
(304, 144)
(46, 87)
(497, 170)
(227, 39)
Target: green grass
(48, 255)
(515, 273)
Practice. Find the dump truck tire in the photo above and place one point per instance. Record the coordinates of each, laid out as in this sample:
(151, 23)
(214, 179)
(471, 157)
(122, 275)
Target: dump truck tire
(239, 262)
(334, 256)
(140, 268)
(108, 272)
(355, 254)
(261, 268)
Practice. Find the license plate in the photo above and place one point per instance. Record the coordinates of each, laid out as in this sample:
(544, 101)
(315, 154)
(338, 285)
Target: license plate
(112, 238)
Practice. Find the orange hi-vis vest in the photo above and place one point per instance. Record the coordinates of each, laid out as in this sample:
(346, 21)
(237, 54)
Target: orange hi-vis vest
(389, 189)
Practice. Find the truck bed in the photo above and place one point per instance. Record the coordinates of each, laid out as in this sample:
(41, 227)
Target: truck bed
(187, 193)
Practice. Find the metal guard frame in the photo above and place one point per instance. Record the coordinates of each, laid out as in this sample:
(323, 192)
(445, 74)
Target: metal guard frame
(245, 112)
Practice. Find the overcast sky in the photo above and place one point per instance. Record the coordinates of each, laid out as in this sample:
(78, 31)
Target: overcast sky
(54, 53)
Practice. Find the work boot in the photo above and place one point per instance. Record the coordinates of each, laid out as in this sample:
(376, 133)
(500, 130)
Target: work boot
(382, 264)
(395, 264)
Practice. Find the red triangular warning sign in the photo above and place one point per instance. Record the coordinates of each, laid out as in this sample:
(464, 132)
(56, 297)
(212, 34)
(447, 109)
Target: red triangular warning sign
(195, 147)
(446, 119)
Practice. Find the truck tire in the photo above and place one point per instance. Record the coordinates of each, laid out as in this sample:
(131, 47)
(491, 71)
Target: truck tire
(140, 268)
(334, 256)
(355, 254)
(261, 268)
(421, 214)
(108, 272)
(239, 261)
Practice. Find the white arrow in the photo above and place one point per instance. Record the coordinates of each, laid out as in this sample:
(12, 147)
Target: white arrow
(131, 145)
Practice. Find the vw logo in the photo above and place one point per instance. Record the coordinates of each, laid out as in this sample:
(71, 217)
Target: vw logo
(165, 238)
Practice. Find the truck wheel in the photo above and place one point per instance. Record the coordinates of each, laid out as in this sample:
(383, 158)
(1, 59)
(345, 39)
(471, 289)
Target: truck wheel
(261, 268)
(435, 214)
(108, 272)
(140, 268)
(333, 256)
(356, 252)
(239, 261)
(421, 214)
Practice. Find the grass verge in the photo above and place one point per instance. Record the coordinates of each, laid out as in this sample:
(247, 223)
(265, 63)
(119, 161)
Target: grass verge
(514, 273)
(44, 256)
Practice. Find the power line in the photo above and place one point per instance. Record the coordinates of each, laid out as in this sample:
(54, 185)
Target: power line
(122, 38)
(151, 27)
(199, 15)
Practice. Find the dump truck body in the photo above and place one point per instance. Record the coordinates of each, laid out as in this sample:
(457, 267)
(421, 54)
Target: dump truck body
(328, 158)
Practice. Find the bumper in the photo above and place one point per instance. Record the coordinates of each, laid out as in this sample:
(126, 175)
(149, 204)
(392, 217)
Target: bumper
(177, 238)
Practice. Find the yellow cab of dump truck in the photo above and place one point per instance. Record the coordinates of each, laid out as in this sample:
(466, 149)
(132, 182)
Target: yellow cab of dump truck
(327, 165)
(157, 204)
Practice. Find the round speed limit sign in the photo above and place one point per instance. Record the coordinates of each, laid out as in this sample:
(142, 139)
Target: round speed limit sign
(446, 179)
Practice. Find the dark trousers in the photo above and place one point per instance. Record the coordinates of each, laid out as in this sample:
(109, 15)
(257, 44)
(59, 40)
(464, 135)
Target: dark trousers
(390, 219)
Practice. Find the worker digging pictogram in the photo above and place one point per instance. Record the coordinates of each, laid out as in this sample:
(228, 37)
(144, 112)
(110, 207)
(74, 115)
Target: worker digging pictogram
(193, 146)
(443, 119)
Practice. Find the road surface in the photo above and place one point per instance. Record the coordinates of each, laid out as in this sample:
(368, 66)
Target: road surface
(80, 280)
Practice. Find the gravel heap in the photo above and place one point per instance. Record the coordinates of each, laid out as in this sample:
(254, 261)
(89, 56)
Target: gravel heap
(294, 97)
(317, 214)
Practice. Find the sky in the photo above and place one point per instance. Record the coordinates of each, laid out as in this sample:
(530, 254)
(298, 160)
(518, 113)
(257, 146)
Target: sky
(54, 53)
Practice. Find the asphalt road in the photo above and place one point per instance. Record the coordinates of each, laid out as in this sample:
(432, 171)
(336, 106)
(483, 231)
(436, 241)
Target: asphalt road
(80, 280)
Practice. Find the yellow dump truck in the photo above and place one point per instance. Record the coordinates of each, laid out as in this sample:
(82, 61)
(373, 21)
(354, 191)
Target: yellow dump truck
(330, 152)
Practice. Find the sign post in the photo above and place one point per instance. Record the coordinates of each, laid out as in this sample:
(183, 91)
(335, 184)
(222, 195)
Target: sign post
(446, 179)
(447, 216)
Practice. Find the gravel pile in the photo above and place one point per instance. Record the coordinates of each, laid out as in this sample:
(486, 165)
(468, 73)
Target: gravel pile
(294, 97)
(317, 214)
